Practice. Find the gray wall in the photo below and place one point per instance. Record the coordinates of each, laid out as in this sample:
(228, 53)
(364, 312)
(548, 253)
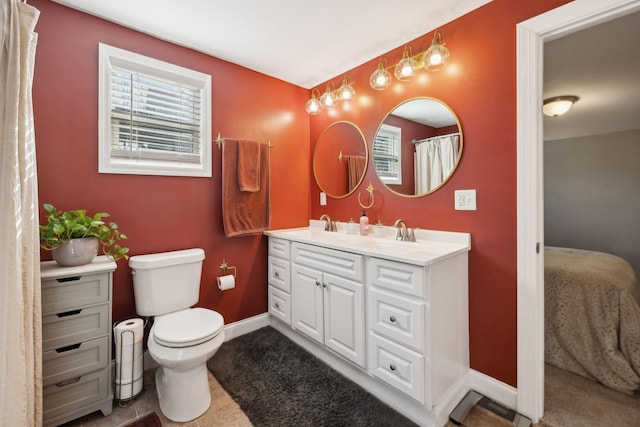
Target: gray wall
(592, 194)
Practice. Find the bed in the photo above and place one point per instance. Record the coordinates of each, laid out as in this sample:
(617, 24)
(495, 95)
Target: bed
(592, 316)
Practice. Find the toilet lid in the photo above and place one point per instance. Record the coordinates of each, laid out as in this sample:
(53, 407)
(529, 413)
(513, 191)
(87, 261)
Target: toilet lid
(188, 327)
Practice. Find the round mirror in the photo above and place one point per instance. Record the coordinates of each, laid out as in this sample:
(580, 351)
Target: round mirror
(417, 147)
(340, 159)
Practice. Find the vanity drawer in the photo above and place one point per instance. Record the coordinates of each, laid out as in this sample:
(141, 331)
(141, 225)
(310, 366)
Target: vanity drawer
(397, 366)
(280, 273)
(280, 305)
(398, 276)
(74, 360)
(74, 393)
(344, 264)
(74, 326)
(280, 248)
(398, 317)
(66, 293)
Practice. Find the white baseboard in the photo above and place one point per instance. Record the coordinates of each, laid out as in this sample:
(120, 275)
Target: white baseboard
(496, 390)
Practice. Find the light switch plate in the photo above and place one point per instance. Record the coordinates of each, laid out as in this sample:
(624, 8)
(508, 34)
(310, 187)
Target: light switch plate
(465, 200)
(323, 198)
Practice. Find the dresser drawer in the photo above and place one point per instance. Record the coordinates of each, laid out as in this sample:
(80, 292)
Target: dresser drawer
(66, 293)
(74, 326)
(74, 393)
(280, 305)
(280, 248)
(280, 273)
(398, 276)
(398, 317)
(397, 366)
(74, 360)
(344, 264)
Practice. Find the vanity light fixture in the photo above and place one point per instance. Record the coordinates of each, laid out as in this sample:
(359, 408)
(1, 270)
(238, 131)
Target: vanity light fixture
(330, 97)
(432, 59)
(558, 105)
(380, 79)
(437, 55)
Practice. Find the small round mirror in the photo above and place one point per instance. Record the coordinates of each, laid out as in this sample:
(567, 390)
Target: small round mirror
(340, 159)
(417, 147)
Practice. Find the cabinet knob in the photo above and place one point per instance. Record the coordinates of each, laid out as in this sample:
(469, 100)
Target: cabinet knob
(392, 367)
(324, 285)
(277, 274)
(277, 305)
(392, 319)
(317, 283)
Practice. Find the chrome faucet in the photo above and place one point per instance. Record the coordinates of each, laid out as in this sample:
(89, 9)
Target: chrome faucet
(329, 225)
(405, 234)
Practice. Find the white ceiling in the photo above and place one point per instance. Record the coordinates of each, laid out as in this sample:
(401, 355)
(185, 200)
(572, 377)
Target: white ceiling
(600, 65)
(301, 42)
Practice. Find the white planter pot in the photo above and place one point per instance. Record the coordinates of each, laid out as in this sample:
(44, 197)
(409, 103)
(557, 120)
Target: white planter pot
(76, 251)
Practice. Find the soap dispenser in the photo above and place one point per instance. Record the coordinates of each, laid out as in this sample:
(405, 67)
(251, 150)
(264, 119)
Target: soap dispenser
(364, 224)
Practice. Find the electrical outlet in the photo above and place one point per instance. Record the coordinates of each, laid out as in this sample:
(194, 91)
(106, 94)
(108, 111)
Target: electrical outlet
(465, 200)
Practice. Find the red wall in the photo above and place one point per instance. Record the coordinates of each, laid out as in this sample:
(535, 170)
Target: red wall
(161, 213)
(479, 84)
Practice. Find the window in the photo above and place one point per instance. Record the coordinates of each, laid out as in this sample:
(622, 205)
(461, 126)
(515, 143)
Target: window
(387, 154)
(154, 117)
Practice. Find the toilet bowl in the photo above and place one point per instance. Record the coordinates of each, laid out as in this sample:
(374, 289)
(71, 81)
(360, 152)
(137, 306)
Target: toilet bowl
(181, 339)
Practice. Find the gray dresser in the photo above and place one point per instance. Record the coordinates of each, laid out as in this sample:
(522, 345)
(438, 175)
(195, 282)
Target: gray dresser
(76, 340)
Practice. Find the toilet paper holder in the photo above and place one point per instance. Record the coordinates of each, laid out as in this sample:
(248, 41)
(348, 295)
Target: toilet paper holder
(224, 267)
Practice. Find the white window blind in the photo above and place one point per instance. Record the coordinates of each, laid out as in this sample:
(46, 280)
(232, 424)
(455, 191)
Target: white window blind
(387, 154)
(155, 116)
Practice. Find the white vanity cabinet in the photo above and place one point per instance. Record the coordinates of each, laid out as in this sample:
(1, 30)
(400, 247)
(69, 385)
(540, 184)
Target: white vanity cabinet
(327, 297)
(76, 340)
(279, 271)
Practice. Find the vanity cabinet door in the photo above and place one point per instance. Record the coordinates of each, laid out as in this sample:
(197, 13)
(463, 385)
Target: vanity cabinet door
(344, 317)
(307, 302)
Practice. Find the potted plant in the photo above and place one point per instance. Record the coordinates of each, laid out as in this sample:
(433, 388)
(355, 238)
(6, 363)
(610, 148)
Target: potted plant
(74, 238)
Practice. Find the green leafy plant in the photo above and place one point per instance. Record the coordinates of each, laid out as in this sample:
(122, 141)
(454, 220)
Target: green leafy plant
(62, 226)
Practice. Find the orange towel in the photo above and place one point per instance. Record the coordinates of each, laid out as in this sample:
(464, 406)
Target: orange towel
(244, 212)
(249, 165)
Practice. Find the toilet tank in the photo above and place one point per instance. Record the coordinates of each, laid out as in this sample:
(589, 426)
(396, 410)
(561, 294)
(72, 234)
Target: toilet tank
(166, 282)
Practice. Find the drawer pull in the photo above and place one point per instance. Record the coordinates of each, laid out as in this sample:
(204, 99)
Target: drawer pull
(67, 382)
(277, 305)
(69, 347)
(392, 367)
(392, 319)
(324, 285)
(68, 279)
(69, 313)
(317, 283)
(277, 274)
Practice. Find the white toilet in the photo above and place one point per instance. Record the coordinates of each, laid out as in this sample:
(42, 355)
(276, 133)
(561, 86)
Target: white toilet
(181, 339)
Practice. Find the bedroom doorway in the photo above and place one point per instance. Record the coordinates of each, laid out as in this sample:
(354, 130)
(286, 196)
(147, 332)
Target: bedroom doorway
(531, 36)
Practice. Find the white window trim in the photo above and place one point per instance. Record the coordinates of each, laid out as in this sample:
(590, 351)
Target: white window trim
(111, 56)
(396, 131)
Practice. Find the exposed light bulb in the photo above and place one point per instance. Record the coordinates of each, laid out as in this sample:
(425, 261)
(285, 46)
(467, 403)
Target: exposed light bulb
(313, 106)
(406, 68)
(346, 92)
(437, 55)
(380, 79)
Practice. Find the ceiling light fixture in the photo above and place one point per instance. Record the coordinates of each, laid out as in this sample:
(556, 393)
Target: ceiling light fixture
(331, 97)
(558, 105)
(432, 59)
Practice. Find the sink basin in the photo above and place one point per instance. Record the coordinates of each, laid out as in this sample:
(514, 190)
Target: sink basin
(434, 246)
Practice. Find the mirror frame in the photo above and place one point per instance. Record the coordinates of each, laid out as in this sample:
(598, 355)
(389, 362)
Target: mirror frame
(366, 155)
(458, 159)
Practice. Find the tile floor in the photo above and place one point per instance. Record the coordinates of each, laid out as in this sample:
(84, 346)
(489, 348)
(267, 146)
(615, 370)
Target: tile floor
(223, 412)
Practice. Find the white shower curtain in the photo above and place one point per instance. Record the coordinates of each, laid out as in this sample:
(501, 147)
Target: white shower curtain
(20, 317)
(435, 159)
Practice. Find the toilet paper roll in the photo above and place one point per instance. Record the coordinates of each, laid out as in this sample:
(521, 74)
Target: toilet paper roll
(126, 390)
(126, 371)
(128, 332)
(128, 352)
(226, 282)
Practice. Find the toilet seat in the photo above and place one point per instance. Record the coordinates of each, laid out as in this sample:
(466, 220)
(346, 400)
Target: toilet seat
(187, 327)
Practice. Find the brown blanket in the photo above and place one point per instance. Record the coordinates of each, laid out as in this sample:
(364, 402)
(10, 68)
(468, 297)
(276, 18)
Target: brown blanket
(592, 321)
(244, 212)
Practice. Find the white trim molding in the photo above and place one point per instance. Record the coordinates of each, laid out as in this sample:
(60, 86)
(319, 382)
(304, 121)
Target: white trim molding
(531, 36)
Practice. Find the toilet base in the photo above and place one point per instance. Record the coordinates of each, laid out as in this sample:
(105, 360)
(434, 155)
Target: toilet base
(183, 395)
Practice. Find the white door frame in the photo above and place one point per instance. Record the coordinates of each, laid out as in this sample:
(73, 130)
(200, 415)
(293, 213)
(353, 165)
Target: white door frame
(531, 35)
